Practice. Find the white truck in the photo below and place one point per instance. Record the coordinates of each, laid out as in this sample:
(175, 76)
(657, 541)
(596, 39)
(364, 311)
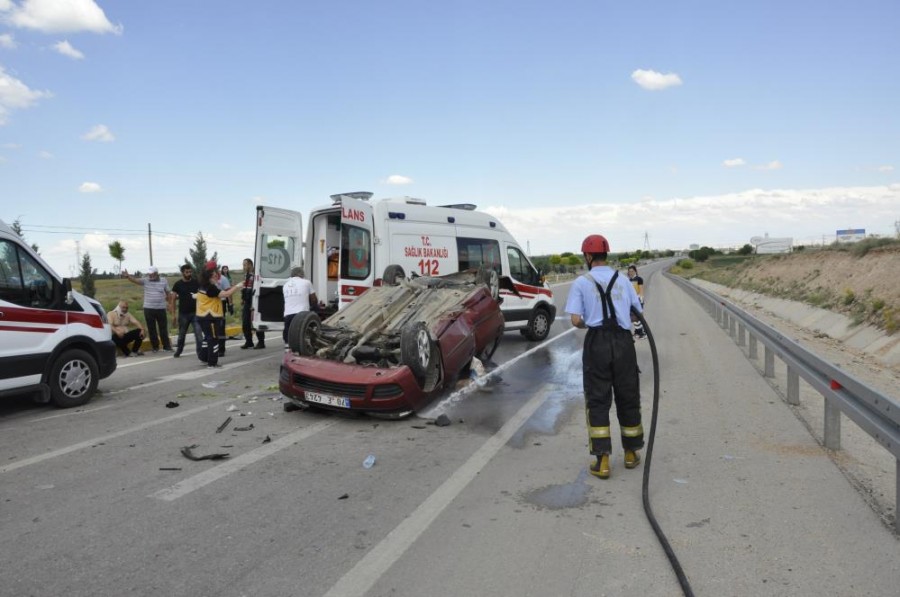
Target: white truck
(54, 343)
(355, 244)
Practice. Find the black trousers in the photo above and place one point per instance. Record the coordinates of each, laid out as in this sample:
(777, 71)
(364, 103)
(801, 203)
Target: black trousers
(158, 327)
(132, 337)
(610, 371)
(212, 332)
(247, 325)
(185, 321)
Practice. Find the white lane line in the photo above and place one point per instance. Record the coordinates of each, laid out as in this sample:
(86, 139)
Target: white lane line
(189, 375)
(86, 444)
(70, 413)
(374, 564)
(232, 466)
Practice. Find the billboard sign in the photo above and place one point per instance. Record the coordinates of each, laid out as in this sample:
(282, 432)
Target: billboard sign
(851, 235)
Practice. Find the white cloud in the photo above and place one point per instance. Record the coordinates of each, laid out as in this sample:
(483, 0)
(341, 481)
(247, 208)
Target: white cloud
(66, 49)
(99, 132)
(45, 155)
(885, 168)
(11, 146)
(734, 163)
(727, 220)
(7, 41)
(59, 16)
(16, 95)
(773, 165)
(654, 81)
(89, 187)
(397, 179)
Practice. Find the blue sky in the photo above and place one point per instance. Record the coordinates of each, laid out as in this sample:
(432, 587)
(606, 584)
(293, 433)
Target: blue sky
(690, 122)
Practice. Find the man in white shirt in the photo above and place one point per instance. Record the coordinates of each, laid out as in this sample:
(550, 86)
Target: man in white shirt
(298, 296)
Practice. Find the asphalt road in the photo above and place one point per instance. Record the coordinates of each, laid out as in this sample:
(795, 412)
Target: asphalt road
(497, 503)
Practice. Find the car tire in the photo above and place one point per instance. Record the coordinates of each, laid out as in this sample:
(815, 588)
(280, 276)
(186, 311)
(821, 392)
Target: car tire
(538, 327)
(491, 278)
(73, 378)
(392, 275)
(302, 333)
(417, 350)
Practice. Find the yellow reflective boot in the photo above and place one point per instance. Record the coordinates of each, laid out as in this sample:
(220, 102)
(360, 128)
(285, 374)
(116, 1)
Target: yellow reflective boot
(601, 467)
(632, 459)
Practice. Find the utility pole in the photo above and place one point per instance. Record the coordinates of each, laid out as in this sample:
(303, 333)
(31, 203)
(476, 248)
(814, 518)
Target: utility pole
(150, 242)
(646, 241)
(77, 257)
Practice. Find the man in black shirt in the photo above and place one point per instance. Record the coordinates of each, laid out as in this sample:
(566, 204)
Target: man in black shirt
(184, 291)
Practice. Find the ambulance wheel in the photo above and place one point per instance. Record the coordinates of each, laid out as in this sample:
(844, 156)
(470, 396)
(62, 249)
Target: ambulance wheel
(302, 333)
(538, 327)
(417, 350)
(73, 378)
(392, 275)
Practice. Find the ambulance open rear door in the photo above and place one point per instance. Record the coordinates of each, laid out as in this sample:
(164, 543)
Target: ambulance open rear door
(279, 247)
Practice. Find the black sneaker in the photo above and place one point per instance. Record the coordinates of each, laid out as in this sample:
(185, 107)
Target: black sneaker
(246, 346)
(177, 353)
(259, 346)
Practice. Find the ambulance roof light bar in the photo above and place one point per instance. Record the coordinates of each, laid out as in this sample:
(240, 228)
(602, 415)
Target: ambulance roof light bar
(465, 206)
(362, 195)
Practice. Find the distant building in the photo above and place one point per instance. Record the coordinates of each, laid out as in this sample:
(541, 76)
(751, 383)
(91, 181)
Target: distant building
(766, 245)
(693, 247)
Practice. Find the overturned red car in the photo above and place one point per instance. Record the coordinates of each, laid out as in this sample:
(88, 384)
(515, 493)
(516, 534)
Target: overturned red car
(395, 347)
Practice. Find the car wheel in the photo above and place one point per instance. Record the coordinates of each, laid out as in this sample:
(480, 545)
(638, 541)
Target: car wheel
(538, 327)
(302, 333)
(73, 378)
(491, 278)
(417, 350)
(392, 275)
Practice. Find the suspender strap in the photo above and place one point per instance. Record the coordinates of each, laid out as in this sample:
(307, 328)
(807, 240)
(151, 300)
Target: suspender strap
(609, 311)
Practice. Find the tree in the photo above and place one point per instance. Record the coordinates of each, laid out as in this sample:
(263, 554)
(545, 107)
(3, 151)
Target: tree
(198, 253)
(17, 228)
(117, 252)
(745, 250)
(87, 276)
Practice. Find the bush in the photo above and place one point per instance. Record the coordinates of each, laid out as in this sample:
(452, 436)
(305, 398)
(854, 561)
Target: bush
(848, 298)
(685, 264)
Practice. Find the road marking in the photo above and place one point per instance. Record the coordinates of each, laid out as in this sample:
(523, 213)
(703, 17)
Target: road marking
(189, 375)
(91, 442)
(380, 558)
(70, 413)
(232, 466)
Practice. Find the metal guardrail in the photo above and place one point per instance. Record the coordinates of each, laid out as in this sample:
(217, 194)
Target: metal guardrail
(874, 412)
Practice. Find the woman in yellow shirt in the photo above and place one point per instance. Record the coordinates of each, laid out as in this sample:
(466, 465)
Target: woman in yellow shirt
(210, 314)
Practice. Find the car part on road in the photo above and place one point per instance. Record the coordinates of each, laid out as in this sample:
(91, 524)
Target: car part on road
(222, 427)
(188, 452)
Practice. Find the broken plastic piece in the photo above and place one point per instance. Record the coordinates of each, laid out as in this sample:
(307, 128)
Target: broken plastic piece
(344, 497)
(442, 421)
(247, 428)
(231, 408)
(223, 425)
(170, 468)
(212, 384)
(836, 385)
(188, 452)
(267, 440)
(369, 462)
(172, 404)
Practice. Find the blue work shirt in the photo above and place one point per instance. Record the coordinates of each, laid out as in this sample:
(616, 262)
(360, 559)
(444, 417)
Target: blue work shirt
(584, 300)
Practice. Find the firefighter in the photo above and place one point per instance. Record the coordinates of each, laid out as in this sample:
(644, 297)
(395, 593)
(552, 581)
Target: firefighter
(601, 301)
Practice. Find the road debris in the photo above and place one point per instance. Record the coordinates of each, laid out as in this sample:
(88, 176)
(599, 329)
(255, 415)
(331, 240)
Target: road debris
(170, 468)
(267, 440)
(188, 452)
(231, 409)
(223, 425)
(172, 404)
(212, 384)
(369, 462)
(247, 428)
(344, 497)
(442, 420)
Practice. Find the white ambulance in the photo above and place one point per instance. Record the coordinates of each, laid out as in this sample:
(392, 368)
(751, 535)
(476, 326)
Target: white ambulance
(54, 343)
(354, 244)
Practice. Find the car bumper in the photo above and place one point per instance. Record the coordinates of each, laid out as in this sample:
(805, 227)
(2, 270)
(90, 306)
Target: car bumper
(106, 361)
(369, 389)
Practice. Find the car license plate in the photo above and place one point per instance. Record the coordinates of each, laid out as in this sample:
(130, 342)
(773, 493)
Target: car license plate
(327, 399)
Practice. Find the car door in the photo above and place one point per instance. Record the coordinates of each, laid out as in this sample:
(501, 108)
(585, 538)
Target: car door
(279, 247)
